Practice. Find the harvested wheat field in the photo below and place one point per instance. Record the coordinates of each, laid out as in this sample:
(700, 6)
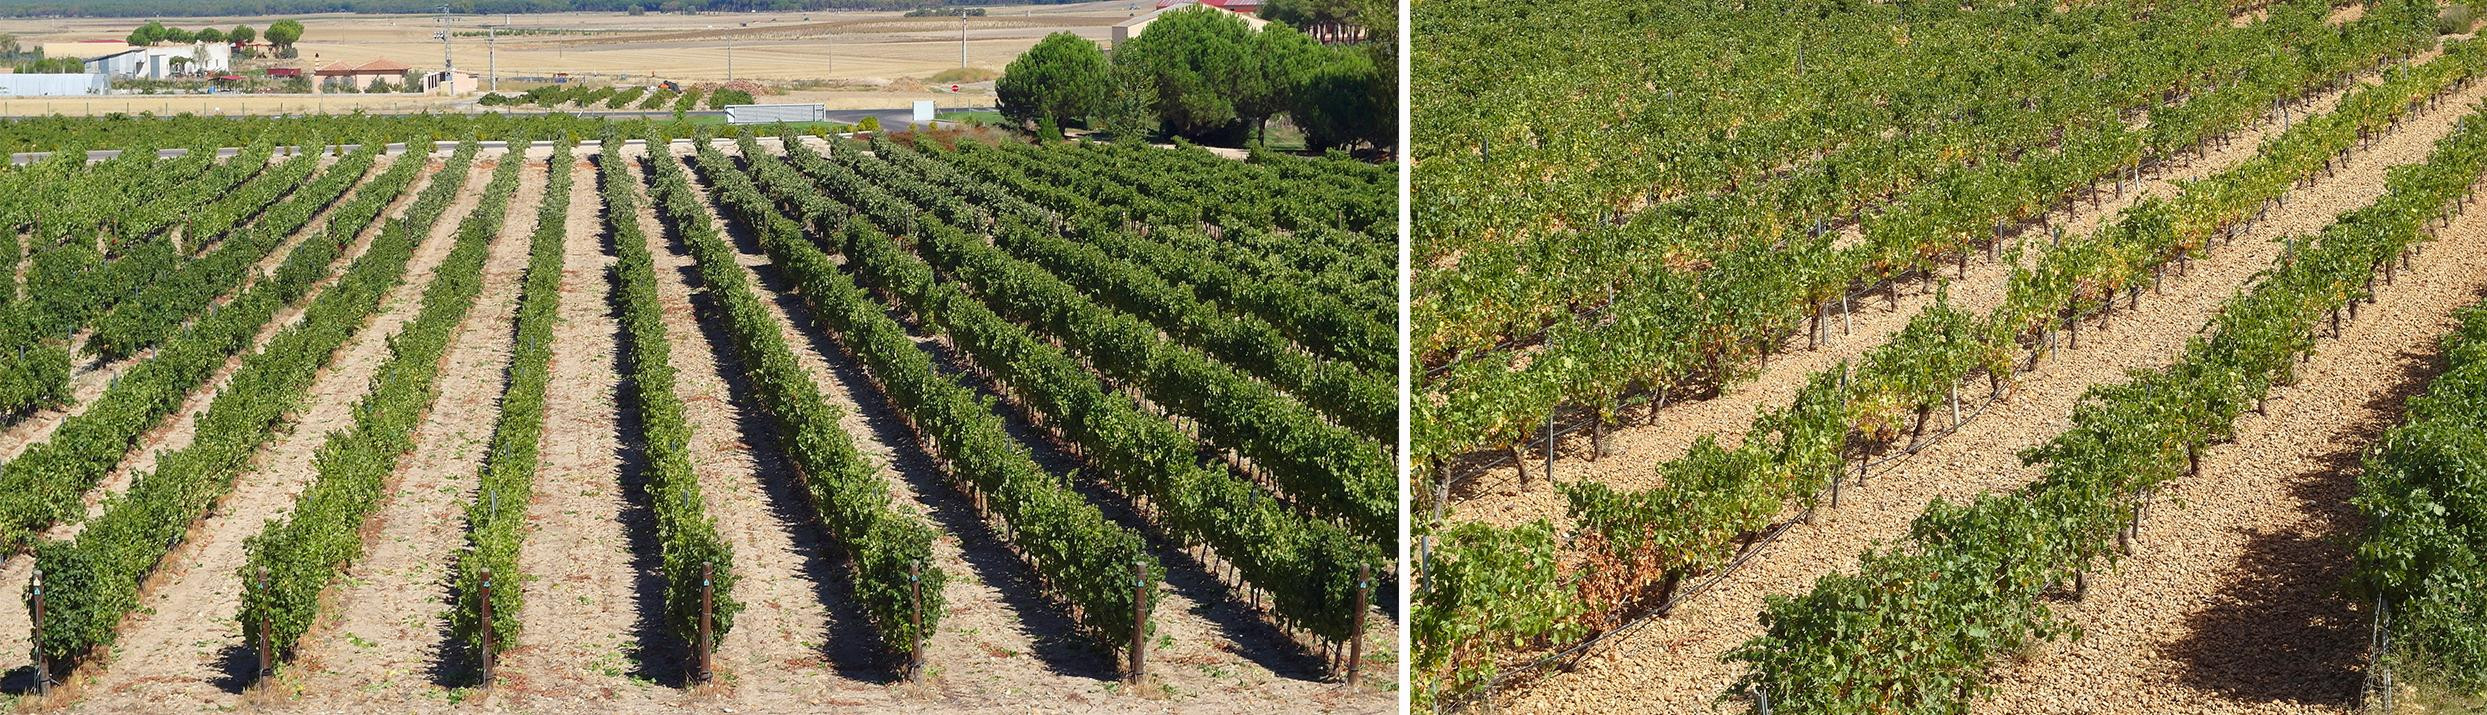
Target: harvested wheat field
(745, 423)
(2072, 397)
(845, 59)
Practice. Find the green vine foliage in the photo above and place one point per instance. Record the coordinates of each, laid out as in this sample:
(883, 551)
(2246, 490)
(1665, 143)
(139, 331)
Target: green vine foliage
(94, 578)
(889, 546)
(47, 482)
(2420, 490)
(507, 476)
(291, 561)
(687, 536)
(1308, 566)
(1647, 542)
(1628, 289)
(1916, 627)
(1083, 558)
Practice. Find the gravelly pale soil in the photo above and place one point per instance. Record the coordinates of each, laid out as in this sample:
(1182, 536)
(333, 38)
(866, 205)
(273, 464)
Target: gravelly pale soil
(183, 641)
(2233, 602)
(576, 548)
(1673, 664)
(1497, 496)
(382, 632)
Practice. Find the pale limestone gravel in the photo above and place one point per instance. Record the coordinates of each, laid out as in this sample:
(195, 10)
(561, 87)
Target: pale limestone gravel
(1673, 665)
(2233, 602)
(382, 628)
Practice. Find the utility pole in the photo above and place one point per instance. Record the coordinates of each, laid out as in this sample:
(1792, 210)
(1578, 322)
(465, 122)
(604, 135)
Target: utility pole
(443, 33)
(962, 38)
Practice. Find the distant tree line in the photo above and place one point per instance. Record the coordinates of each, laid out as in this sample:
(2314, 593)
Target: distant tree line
(215, 8)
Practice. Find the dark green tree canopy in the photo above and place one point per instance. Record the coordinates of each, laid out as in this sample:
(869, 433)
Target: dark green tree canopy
(1196, 59)
(1062, 78)
(284, 33)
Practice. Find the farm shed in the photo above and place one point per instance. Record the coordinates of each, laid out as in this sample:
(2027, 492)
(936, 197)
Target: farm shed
(53, 85)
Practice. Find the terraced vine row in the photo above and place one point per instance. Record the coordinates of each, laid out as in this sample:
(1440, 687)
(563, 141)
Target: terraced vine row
(292, 560)
(1488, 586)
(508, 472)
(1918, 624)
(1675, 313)
(95, 577)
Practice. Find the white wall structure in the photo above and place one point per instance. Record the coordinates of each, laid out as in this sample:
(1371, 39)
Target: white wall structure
(773, 113)
(53, 85)
(923, 111)
(452, 83)
(156, 62)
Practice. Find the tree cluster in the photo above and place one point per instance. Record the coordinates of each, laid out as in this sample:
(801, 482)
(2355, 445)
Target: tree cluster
(1208, 76)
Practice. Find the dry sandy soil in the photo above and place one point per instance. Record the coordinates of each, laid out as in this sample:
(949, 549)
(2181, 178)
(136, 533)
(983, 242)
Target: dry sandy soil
(846, 59)
(595, 643)
(2231, 610)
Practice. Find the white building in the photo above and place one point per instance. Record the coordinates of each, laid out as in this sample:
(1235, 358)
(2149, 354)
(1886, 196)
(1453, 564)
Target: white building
(449, 82)
(157, 62)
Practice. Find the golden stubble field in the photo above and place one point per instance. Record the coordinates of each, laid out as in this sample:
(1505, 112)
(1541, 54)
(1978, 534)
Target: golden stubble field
(845, 59)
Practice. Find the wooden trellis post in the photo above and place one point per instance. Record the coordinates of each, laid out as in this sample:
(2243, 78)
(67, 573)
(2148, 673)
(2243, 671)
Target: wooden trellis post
(1139, 621)
(707, 608)
(1355, 642)
(43, 666)
(484, 605)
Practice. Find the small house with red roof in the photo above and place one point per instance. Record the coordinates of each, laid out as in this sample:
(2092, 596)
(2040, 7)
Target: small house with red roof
(362, 75)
